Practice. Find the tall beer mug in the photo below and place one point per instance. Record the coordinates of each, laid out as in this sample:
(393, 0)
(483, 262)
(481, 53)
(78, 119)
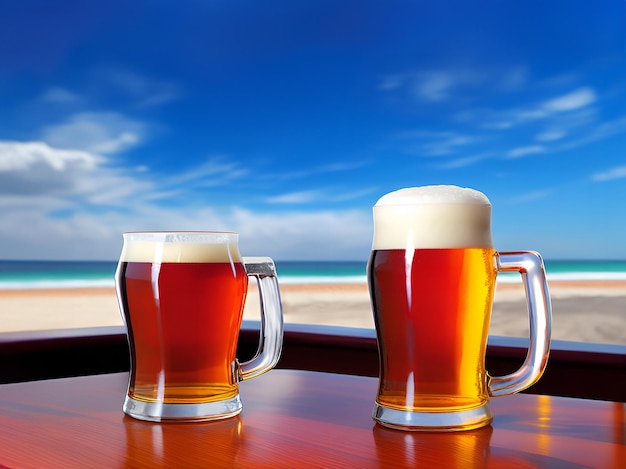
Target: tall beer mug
(432, 274)
(182, 296)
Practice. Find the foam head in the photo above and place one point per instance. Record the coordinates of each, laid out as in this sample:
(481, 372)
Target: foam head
(432, 217)
(180, 247)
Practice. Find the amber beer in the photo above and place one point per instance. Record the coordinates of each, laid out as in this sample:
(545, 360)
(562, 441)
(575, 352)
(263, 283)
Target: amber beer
(432, 274)
(182, 296)
(432, 344)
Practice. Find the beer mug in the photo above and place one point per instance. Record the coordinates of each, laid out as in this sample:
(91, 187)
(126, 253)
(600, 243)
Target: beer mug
(431, 275)
(182, 296)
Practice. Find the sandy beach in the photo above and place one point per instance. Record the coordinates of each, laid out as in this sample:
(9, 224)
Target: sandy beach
(586, 311)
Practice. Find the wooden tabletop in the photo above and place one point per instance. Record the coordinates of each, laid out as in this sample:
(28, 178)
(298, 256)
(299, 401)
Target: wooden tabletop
(296, 419)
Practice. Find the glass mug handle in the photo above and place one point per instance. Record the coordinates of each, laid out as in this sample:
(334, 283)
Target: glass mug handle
(530, 265)
(271, 335)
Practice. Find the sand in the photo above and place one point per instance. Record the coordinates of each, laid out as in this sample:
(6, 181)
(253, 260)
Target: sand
(590, 311)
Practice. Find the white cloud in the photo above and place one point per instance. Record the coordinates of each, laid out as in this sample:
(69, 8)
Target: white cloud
(608, 129)
(308, 196)
(71, 204)
(524, 115)
(532, 196)
(21, 156)
(293, 235)
(313, 170)
(437, 85)
(390, 83)
(340, 235)
(563, 112)
(145, 91)
(577, 99)
(464, 162)
(35, 169)
(213, 172)
(299, 197)
(352, 195)
(513, 79)
(551, 135)
(524, 151)
(497, 125)
(596, 133)
(619, 172)
(60, 95)
(570, 108)
(438, 143)
(96, 132)
(433, 86)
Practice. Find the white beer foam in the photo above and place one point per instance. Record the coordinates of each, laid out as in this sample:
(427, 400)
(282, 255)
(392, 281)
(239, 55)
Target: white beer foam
(432, 217)
(180, 247)
(434, 195)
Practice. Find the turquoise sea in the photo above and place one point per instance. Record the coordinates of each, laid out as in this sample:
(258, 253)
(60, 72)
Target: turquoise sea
(73, 274)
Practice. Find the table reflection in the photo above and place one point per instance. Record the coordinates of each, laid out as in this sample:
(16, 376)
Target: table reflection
(160, 443)
(423, 449)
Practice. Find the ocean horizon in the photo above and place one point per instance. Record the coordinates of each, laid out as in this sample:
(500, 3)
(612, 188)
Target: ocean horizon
(16, 275)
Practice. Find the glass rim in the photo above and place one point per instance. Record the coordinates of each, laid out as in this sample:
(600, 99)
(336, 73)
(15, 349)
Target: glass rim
(181, 236)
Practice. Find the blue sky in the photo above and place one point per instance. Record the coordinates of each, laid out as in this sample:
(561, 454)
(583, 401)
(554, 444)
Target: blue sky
(286, 121)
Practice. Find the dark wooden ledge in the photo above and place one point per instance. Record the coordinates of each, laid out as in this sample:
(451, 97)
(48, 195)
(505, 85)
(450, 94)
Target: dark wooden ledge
(575, 369)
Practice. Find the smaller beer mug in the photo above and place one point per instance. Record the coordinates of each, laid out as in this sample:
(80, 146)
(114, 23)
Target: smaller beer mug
(432, 275)
(182, 295)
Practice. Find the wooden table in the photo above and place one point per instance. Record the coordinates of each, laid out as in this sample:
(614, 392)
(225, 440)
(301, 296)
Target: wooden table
(296, 419)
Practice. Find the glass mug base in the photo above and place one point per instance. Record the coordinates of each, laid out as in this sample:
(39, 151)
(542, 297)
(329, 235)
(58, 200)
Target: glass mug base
(160, 412)
(432, 421)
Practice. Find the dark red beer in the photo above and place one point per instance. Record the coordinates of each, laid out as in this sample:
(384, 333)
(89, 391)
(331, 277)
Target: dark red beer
(183, 322)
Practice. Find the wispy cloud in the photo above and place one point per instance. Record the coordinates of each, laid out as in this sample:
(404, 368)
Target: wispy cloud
(569, 119)
(96, 132)
(609, 128)
(143, 90)
(593, 133)
(298, 197)
(437, 85)
(563, 111)
(556, 107)
(525, 151)
(577, 99)
(579, 132)
(497, 124)
(465, 161)
(532, 196)
(551, 135)
(315, 170)
(433, 86)
(60, 95)
(437, 143)
(215, 171)
(319, 195)
(619, 172)
(352, 195)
